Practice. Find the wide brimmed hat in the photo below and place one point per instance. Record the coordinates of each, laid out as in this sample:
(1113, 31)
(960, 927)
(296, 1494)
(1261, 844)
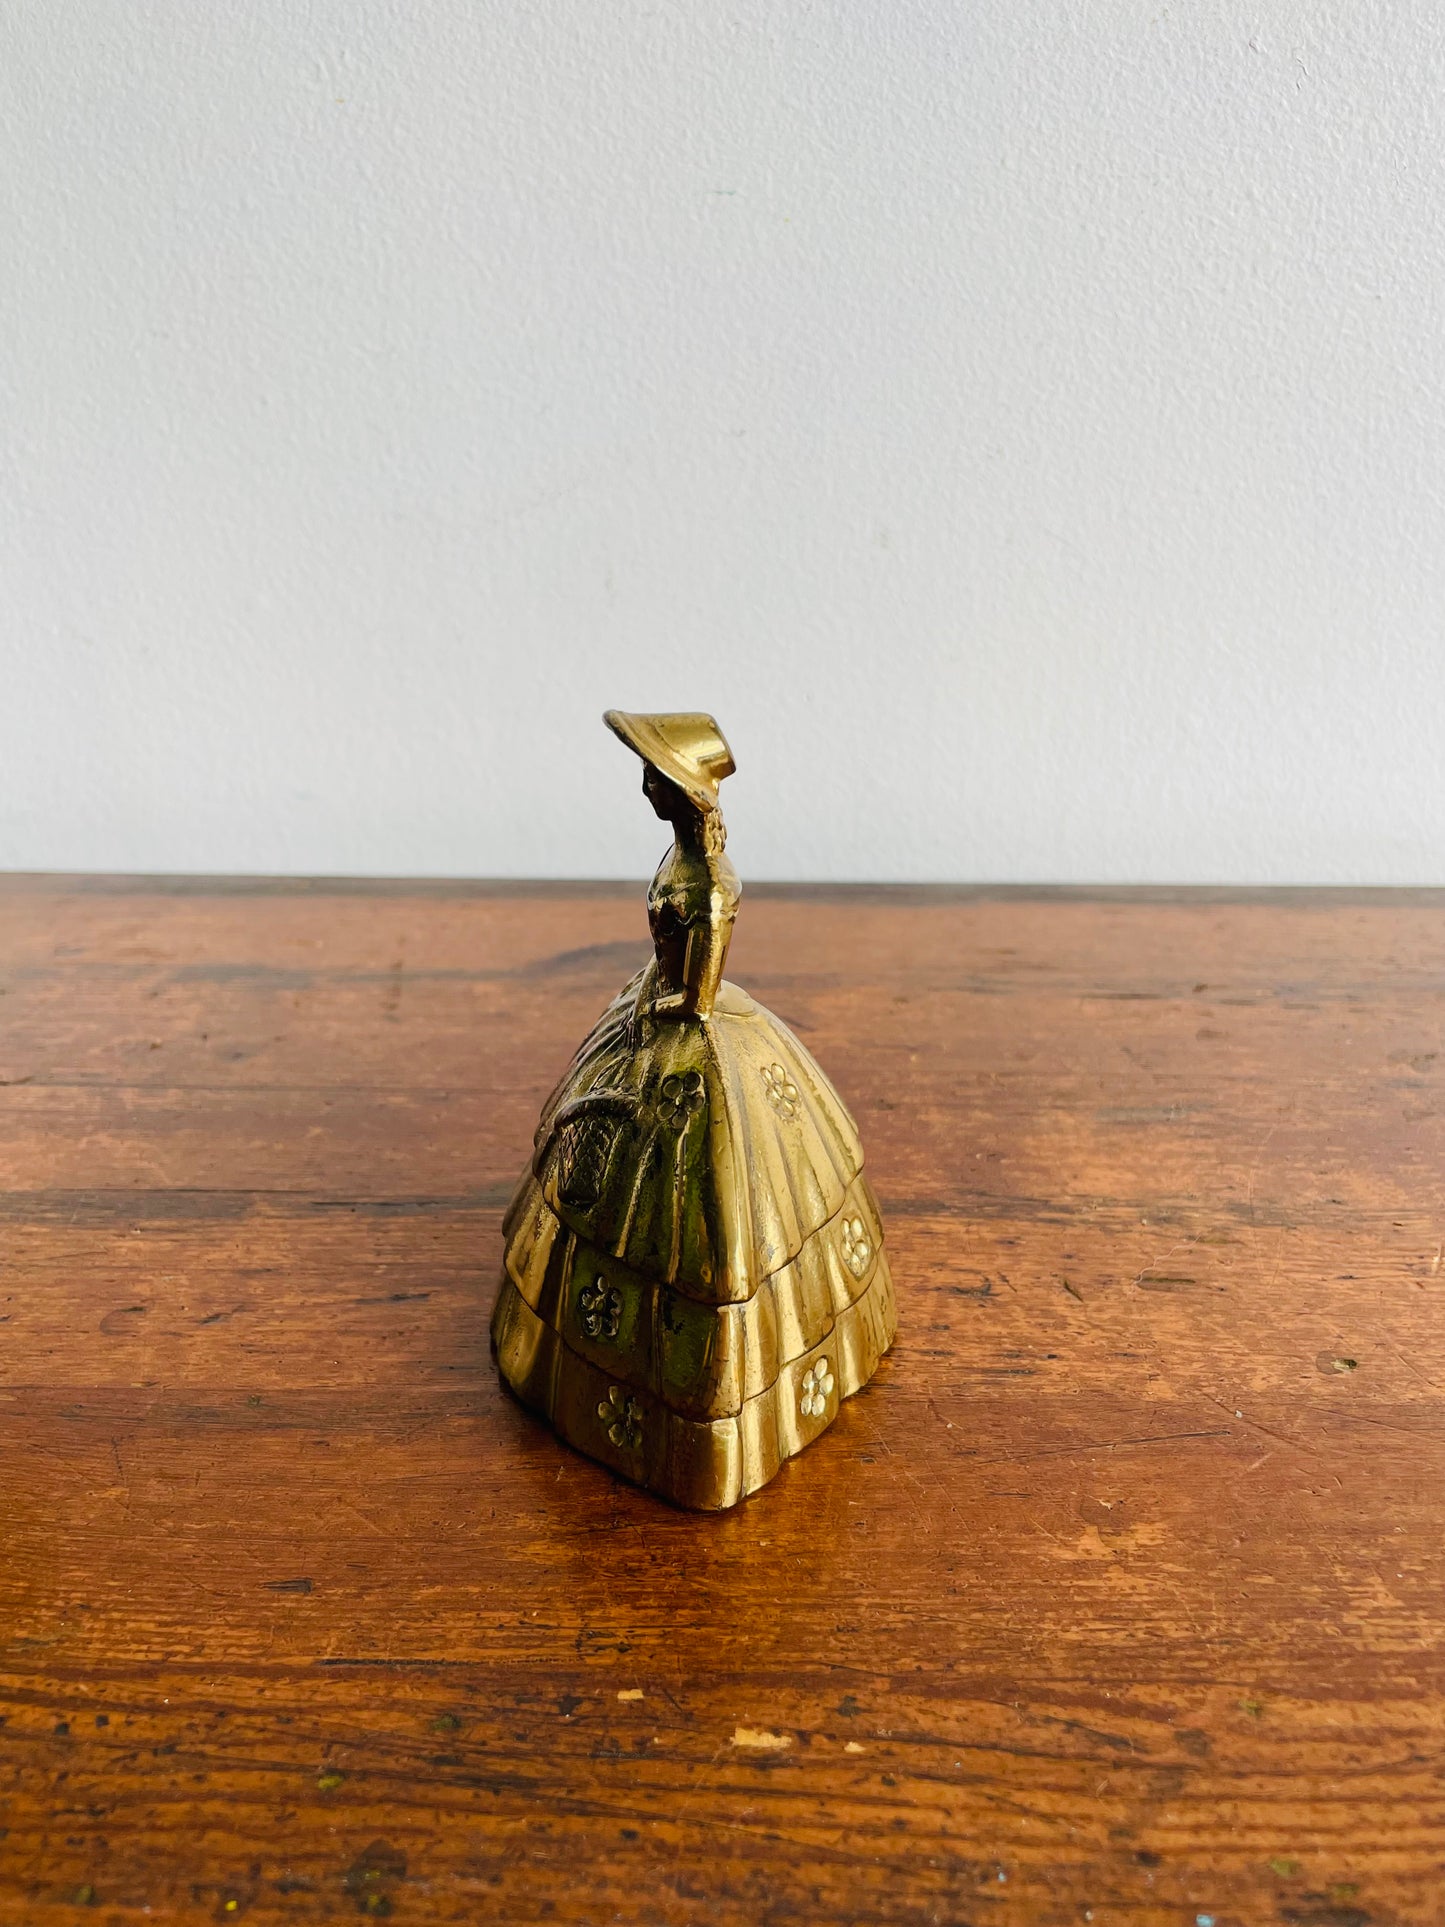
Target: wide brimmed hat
(689, 749)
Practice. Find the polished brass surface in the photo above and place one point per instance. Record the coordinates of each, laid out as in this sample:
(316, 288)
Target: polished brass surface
(694, 1275)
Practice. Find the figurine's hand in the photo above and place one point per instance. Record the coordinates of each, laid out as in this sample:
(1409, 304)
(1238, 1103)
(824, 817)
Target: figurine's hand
(672, 1003)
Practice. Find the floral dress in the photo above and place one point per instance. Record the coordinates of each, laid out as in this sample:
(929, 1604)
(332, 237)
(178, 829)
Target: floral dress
(694, 1275)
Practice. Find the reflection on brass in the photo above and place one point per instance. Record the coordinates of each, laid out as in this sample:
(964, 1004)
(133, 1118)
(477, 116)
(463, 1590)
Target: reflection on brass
(694, 1275)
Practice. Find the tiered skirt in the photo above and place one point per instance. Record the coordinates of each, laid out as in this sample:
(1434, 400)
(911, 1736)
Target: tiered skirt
(694, 1275)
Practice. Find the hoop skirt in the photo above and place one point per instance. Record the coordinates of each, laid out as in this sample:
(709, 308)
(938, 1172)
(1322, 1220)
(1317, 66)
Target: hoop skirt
(694, 1274)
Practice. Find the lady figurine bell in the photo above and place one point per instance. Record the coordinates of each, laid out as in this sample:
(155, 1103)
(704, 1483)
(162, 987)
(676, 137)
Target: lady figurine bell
(694, 1276)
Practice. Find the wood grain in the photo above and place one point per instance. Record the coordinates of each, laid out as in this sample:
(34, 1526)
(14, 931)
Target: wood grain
(1117, 1596)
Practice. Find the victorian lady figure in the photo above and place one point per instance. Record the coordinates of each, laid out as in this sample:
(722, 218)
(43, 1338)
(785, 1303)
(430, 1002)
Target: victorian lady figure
(694, 1274)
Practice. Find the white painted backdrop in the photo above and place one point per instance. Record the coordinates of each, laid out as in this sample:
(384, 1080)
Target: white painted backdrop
(1022, 423)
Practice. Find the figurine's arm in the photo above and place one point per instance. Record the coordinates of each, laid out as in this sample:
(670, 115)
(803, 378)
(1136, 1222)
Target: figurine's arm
(702, 964)
(707, 950)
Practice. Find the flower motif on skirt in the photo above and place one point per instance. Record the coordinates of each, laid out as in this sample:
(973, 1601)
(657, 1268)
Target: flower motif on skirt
(857, 1246)
(782, 1091)
(599, 1309)
(818, 1382)
(682, 1096)
(621, 1416)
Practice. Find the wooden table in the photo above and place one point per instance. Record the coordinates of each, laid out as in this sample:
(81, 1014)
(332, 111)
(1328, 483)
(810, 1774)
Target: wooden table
(1118, 1596)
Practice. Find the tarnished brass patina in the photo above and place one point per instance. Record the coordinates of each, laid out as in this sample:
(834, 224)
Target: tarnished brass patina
(694, 1276)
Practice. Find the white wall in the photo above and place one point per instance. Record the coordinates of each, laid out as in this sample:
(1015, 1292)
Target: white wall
(1023, 424)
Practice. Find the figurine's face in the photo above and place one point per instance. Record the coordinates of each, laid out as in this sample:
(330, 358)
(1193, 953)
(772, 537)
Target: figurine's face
(664, 796)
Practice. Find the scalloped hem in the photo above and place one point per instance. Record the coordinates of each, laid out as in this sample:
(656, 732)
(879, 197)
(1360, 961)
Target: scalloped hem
(701, 1464)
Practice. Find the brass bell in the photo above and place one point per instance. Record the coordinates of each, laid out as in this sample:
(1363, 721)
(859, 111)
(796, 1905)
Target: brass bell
(694, 1276)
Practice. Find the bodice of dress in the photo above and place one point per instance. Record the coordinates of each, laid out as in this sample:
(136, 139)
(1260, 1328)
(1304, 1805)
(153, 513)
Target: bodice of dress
(691, 907)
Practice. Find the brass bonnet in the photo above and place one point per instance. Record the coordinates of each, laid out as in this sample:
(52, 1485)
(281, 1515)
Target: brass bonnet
(688, 748)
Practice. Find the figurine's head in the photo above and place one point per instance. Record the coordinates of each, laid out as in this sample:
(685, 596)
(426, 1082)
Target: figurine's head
(686, 757)
(668, 801)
